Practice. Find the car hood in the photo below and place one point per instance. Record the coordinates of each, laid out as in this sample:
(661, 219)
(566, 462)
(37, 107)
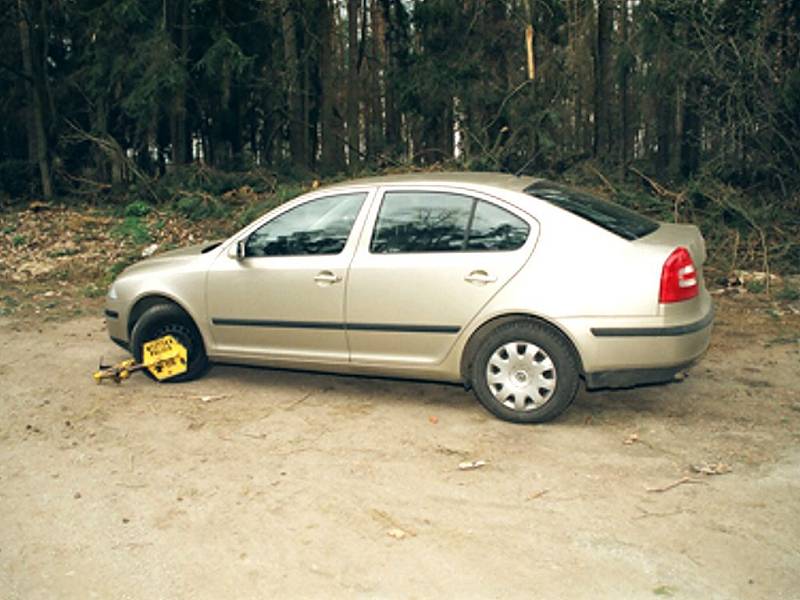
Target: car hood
(178, 256)
(193, 250)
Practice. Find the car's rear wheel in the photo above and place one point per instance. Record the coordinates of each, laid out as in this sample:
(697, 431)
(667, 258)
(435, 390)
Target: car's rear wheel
(525, 372)
(168, 319)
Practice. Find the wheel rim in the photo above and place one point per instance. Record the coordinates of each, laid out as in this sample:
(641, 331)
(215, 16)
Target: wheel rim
(521, 376)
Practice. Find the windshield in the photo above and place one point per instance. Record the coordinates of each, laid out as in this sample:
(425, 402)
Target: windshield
(611, 217)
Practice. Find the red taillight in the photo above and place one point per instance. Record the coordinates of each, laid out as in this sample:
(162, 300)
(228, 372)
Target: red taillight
(678, 278)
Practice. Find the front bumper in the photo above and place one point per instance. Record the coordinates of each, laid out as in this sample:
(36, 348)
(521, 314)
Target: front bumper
(116, 325)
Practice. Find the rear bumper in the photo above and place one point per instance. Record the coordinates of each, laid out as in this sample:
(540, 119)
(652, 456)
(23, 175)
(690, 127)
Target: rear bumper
(626, 378)
(640, 353)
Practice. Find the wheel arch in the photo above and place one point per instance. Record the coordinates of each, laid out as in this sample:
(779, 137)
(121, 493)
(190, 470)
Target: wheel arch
(483, 331)
(144, 303)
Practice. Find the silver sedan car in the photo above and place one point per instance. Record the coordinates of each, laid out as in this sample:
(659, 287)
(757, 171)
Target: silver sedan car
(516, 287)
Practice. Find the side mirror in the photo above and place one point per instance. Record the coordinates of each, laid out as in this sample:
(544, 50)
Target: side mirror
(237, 250)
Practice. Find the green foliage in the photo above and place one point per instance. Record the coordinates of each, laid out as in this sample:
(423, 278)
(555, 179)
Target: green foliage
(171, 106)
(224, 57)
(643, 202)
(138, 208)
(756, 286)
(118, 267)
(133, 229)
(18, 240)
(10, 304)
(197, 178)
(197, 206)
(788, 293)
(94, 291)
(155, 75)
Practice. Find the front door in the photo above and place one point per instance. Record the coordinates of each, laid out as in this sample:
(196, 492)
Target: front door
(430, 262)
(285, 298)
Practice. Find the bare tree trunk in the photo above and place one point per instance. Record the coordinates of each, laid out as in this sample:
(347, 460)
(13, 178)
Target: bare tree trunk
(43, 58)
(100, 125)
(691, 130)
(33, 84)
(294, 97)
(377, 70)
(625, 104)
(603, 84)
(352, 81)
(332, 144)
(394, 121)
(181, 145)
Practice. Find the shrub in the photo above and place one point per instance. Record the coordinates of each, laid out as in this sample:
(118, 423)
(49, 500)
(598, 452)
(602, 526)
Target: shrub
(197, 206)
(138, 208)
(133, 229)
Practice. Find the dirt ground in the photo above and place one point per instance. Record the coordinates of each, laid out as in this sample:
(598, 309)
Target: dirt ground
(254, 483)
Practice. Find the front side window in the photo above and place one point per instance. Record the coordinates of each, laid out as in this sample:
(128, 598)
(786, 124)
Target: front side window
(319, 226)
(444, 222)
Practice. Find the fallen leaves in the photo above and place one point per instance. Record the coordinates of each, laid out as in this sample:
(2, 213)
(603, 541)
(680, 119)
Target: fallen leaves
(397, 533)
(471, 465)
(631, 439)
(717, 468)
(707, 469)
(674, 484)
(211, 398)
(76, 249)
(536, 495)
(395, 530)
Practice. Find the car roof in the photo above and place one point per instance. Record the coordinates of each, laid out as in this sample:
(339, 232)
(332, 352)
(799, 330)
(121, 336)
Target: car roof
(504, 181)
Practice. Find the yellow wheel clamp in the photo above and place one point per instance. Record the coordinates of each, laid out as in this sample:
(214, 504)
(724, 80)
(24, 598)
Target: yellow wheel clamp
(164, 358)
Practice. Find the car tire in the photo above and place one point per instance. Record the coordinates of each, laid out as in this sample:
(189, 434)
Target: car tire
(525, 372)
(168, 319)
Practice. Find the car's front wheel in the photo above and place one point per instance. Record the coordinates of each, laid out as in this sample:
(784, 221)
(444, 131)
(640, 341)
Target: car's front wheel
(168, 319)
(525, 372)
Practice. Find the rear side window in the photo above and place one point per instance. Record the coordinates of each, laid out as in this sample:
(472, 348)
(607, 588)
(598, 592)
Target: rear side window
(611, 217)
(494, 228)
(421, 222)
(444, 222)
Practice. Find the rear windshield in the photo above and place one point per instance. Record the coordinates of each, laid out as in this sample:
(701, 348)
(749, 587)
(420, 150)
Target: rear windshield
(612, 217)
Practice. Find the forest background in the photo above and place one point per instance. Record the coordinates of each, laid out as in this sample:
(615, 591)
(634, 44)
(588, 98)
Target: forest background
(164, 117)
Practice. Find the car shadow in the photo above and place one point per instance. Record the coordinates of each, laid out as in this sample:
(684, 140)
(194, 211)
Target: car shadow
(660, 400)
(373, 387)
(667, 400)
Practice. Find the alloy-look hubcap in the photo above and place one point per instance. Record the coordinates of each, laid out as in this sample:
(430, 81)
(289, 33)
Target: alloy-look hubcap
(521, 376)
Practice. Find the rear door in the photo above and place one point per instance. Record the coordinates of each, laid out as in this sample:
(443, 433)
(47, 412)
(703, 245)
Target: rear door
(427, 262)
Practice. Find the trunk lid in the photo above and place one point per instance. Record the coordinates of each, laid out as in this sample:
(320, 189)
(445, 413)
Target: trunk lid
(674, 235)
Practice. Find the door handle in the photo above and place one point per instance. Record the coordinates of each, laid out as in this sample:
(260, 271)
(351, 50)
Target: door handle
(480, 277)
(327, 278)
